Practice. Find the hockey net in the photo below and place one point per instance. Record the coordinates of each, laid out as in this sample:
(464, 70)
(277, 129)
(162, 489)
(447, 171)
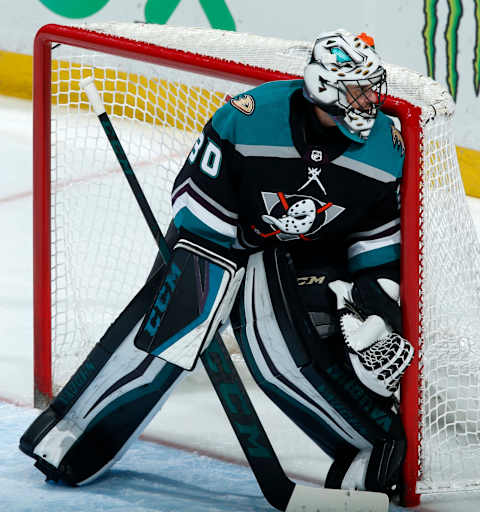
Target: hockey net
(160, 84)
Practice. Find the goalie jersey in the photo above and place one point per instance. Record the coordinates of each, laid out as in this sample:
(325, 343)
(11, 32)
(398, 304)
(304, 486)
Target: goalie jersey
(265, 171)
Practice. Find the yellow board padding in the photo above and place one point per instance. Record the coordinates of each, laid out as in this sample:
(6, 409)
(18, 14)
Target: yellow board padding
(16, 75)
(135, 96)
(469, 161)
(145, 99)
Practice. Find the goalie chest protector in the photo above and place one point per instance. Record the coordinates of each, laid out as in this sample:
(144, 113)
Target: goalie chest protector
(274, 174)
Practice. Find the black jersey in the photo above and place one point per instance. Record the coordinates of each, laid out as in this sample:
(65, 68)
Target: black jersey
(264, 171)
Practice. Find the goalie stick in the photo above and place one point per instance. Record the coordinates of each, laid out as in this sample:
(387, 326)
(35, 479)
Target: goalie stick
(281, 492)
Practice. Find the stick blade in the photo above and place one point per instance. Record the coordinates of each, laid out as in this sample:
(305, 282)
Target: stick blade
(315, 499)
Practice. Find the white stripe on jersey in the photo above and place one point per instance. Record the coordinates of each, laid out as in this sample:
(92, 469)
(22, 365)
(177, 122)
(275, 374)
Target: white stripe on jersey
(365, 169)
(371, 245)
(185, 200)
(190, 183)
(375, 231)
(269, 151)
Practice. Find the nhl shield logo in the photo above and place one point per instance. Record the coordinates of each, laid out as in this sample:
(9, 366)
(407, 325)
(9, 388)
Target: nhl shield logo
(316, 155)
(245, 103)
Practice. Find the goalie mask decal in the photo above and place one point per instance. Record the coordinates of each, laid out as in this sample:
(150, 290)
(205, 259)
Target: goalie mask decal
(296, 216)
(245, 103)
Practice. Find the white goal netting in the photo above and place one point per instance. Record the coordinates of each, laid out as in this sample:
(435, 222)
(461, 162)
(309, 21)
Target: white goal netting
(102, 251)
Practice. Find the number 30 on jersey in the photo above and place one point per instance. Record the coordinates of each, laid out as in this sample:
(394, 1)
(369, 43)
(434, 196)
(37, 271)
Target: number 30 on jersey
(211, 156)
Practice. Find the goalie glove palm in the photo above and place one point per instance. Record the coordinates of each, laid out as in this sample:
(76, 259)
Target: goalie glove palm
(378, 356)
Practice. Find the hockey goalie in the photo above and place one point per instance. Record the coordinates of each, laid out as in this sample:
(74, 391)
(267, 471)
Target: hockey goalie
(285, 224)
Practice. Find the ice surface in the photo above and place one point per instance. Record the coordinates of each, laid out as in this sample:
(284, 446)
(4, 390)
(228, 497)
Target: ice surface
(149, 477)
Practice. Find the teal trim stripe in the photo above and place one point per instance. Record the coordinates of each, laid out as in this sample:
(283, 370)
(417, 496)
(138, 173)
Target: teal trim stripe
(215, 275)
(374, 258)
(164, 379)
(186, 220)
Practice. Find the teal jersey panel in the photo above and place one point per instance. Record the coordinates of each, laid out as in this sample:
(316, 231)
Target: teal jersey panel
(268, 122)
(382, 149)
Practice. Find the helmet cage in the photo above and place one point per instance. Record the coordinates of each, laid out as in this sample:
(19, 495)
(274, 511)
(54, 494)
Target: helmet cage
(365, 96)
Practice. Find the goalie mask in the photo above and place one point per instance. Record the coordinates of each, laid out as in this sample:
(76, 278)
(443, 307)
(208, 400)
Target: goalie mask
(346, 79)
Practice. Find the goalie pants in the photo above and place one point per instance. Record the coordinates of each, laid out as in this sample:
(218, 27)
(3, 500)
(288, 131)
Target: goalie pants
(119, 388)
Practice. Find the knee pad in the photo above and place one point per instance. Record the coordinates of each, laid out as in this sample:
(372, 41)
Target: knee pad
(193, 300)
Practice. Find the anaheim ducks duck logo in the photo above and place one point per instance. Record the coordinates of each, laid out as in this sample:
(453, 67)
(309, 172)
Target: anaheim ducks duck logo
(245, 103)
(296, 216)
(398, 140)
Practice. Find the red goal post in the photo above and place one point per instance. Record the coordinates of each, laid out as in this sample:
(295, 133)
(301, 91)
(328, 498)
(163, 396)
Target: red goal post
(125, 41)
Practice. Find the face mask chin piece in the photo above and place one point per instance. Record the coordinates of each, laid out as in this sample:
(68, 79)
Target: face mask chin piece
(357, 136)
(355, 127)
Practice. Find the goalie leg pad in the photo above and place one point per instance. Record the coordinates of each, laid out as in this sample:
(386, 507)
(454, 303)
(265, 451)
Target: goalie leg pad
(105, 405)
(195, 297)
(324, 398)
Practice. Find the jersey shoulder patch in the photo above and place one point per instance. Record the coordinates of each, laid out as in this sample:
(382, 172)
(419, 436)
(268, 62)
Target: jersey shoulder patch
(397, 139)
(260, 116)
(245, 103)
(383, 153)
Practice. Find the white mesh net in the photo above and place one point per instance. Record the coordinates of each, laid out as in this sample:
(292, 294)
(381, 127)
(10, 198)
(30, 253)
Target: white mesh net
(450, 357)
(102, 250)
